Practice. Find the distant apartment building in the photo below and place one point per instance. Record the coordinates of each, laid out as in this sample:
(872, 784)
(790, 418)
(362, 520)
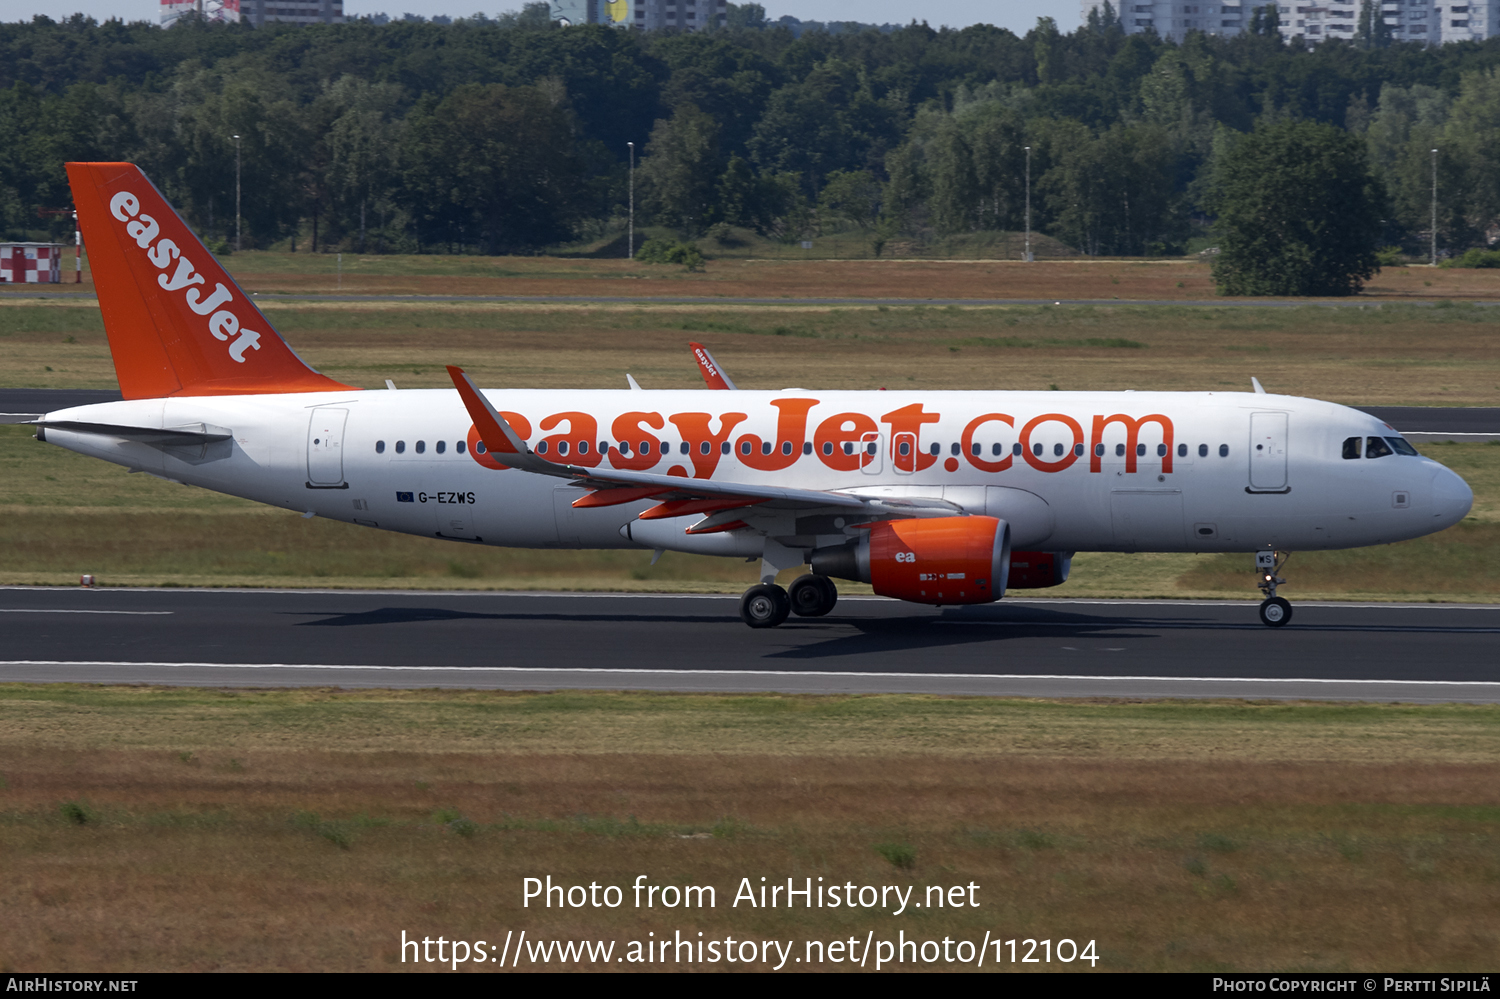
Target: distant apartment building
(1431, 22)
(1174, 20)
(259, 12)
(648, 15)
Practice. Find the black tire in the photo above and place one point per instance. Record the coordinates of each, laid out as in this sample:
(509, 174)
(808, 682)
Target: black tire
(812, 596)
(1275, 613)
(764, 605)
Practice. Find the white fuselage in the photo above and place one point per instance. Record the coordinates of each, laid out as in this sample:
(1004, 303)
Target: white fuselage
(1070, 471)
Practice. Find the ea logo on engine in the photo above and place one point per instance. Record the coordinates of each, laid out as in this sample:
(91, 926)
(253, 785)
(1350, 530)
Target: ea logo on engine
(906, 556)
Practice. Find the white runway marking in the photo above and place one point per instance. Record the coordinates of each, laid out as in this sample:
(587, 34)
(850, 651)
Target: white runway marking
(614, 671)
(48, 610)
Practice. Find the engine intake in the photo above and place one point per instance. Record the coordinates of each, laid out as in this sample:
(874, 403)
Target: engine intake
(943, 560)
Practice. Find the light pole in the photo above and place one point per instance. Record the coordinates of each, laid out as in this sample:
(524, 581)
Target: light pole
(630, 239)
(1434, 208)
(1028, 205)
(236, 194)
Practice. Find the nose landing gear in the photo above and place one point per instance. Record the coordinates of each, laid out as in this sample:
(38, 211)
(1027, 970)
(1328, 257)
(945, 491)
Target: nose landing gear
(1275, 612)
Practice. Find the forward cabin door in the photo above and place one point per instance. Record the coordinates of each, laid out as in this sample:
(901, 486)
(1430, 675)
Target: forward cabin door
(325, 447)
(1268, 436)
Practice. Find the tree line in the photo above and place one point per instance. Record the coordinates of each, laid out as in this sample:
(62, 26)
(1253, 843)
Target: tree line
(511, 134)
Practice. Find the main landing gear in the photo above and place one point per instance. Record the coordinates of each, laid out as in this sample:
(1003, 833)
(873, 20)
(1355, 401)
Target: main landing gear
(766, 605)
(1275, 612)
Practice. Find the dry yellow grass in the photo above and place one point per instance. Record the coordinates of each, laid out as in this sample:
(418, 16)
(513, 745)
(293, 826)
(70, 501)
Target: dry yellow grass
(304, 830)
(793, 276)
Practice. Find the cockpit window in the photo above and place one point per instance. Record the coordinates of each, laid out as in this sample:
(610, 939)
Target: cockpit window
(1402, 446)
(1352, 447)
(1376, 448)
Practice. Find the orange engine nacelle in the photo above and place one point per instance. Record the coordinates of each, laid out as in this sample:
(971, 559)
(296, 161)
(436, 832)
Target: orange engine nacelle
(945, 560)
(1035, 570)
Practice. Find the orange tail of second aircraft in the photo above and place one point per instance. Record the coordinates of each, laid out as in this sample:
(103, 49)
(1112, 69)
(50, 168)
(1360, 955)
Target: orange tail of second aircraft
(178, 324)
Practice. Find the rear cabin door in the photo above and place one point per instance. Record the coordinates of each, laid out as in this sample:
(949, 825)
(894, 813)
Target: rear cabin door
(325, 447)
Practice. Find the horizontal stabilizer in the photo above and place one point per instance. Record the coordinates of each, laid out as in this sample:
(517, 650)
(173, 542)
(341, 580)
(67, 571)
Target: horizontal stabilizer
(189, 435)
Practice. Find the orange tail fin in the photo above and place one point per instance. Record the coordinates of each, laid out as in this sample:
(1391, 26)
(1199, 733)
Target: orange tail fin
(178, 324)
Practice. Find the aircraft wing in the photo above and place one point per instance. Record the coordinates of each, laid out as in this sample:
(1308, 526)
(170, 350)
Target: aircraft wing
(679, 495)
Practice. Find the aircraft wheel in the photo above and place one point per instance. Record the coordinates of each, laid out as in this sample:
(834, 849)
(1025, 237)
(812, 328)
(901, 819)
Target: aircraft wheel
(1275, 612)
(765, 606)
(812, 596)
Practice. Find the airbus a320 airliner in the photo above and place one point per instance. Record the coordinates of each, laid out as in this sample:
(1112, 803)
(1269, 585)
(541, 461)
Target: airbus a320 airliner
(934, 497)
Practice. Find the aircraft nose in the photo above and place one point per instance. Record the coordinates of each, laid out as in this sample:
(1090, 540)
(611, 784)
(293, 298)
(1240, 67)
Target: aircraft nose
(1451, 497)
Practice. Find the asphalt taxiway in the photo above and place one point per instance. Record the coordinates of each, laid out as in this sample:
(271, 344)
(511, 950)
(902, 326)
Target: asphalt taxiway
(549, 641)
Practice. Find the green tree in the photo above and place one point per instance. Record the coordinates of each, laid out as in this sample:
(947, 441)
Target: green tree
(682, 164)
(1470, 157)
(494, 165)
(751, 16)
(1298, 212)
(1372, 32)
(851, 196)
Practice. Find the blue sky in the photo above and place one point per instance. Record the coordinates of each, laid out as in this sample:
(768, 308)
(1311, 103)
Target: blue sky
(1018, 17)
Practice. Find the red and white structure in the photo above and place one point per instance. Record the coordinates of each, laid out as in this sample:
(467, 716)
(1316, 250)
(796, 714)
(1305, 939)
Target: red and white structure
(227, 11)
(31, 263)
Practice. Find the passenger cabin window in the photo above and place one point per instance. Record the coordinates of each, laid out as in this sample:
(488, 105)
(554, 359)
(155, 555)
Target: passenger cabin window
(380, 447)
(807, 447)
(1351, 447)
(1402, 446)
(1223, 450)
(1376, 448)
(440, 446)
(1182, 450)
(459, 446)
(1203, 450)
(401, 447)
(421, 447)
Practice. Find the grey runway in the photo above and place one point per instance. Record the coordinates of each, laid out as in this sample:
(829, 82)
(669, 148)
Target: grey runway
(533, 641)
